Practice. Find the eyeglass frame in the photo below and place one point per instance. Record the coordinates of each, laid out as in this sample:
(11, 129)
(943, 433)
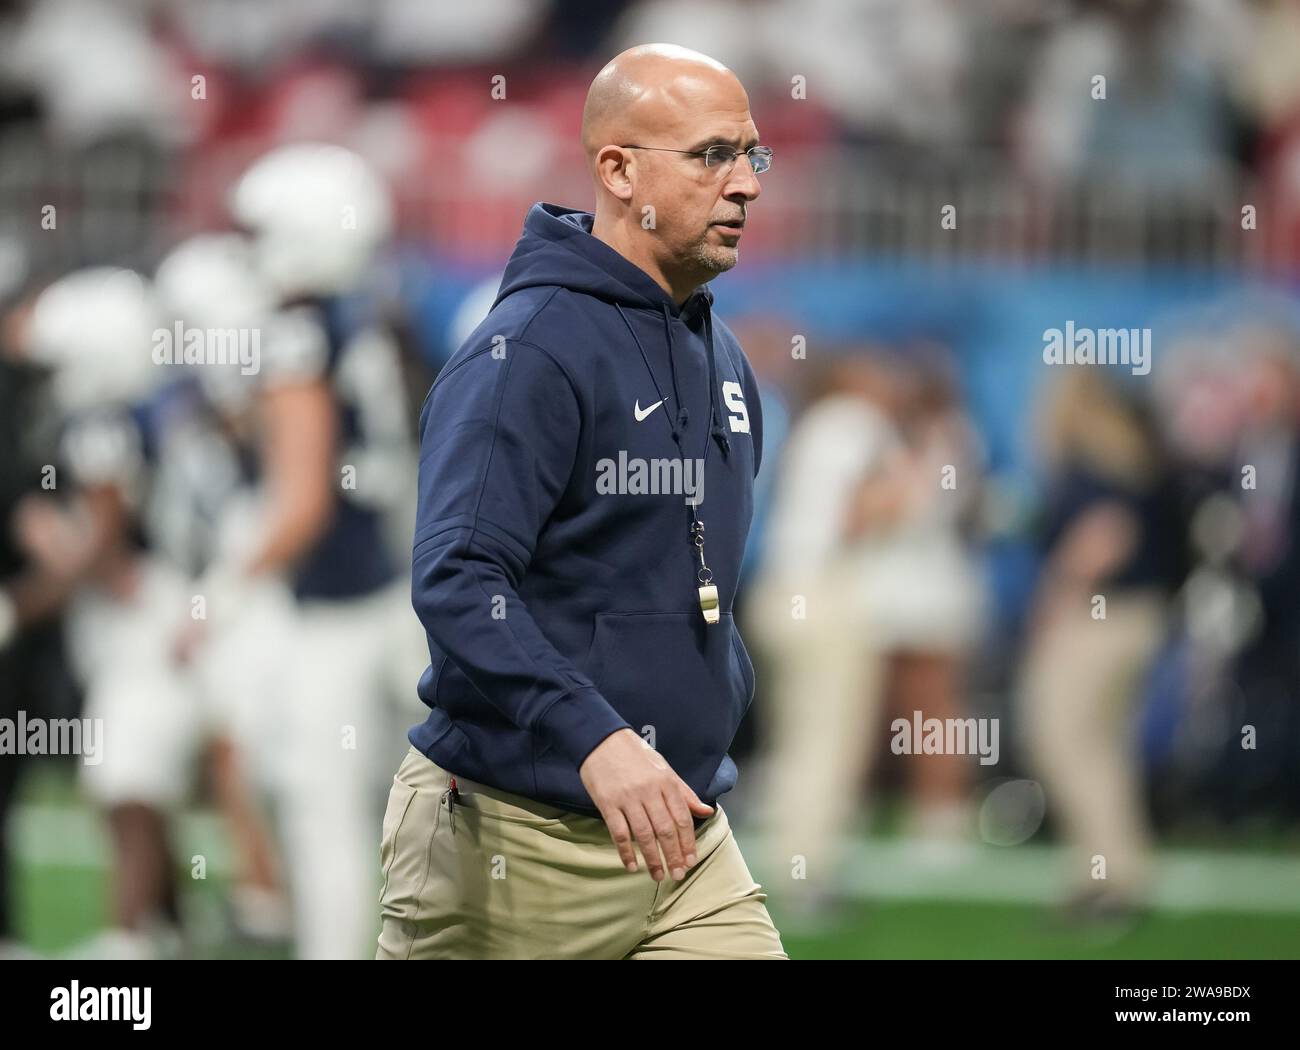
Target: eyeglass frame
(716, 146)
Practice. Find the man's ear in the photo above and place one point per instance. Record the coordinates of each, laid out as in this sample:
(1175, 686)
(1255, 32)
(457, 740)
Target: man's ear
(613, 166)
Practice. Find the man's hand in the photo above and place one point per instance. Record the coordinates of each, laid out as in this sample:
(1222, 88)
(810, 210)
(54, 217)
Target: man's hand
(641, 798)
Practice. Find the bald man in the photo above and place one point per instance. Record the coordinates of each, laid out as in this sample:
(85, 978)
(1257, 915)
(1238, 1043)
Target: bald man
(586, 486)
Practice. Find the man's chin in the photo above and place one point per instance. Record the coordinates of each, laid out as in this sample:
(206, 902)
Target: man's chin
(719, 259)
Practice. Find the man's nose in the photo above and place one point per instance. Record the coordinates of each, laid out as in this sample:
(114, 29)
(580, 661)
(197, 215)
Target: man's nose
(742, 182)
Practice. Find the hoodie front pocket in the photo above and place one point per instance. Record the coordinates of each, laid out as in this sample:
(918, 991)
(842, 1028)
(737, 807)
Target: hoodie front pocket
(679, 682)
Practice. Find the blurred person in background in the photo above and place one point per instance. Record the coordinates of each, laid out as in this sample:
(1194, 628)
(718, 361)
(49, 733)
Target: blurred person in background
(1100, 611)
(1202, 402)
(114, 105)
(92, 330)
(206, 516)
(1165, 119)
(889, 70)
(1264, 481)
(810, 612)
(767, 342)
(326, 455)
(1228, 398)
(923, 589)
(97, 70)
(33, 675)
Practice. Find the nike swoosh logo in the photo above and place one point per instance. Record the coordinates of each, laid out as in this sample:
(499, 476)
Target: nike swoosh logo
(640, 412)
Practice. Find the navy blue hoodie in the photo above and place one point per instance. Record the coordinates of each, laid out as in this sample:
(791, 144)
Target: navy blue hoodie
(557, 611)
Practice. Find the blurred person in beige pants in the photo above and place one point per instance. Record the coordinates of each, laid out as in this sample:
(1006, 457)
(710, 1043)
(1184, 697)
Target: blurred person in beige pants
(1097, 619)
(868, 594)
(809, 612)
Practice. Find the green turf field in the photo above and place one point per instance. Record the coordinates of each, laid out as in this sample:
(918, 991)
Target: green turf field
(63, 905)
(928, 929)
(898, 900)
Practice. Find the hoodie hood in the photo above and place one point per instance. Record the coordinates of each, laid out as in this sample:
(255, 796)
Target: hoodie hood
(557, 249)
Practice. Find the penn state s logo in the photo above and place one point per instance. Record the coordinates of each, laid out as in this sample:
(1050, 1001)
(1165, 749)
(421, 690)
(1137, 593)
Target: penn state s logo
(734, 396)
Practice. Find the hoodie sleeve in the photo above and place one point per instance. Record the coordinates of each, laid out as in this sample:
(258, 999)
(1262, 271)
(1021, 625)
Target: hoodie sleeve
(499, 436)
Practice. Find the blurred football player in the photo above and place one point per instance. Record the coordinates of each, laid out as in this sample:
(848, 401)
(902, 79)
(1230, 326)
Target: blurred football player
(92, 330)
(205, 515)
(326, 453)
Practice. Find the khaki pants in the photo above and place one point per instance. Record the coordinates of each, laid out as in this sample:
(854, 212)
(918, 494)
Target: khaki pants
(1081, 683)
(499, 876)
(826, 699)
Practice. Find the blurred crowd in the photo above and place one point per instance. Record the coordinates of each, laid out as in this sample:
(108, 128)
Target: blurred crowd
(1147, 678)
(206, 544)
(931, 74)
(137, 114)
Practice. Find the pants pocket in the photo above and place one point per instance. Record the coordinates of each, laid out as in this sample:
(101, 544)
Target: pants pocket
(399, 804)
(520, 811)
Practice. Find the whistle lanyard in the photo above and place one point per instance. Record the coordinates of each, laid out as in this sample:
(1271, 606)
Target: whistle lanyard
(708, 589)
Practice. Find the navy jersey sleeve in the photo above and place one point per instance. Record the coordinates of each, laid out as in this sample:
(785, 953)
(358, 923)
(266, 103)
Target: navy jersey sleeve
(498, 441)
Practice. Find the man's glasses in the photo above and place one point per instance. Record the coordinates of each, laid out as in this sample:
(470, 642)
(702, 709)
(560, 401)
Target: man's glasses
(760, 157)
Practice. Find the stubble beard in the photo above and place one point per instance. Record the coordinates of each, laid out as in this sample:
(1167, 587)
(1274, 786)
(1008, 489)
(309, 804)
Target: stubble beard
(712, 259)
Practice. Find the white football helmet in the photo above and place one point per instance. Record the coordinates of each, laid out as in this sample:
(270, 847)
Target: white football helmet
(317, 214)
(211, 281)
(95, 328)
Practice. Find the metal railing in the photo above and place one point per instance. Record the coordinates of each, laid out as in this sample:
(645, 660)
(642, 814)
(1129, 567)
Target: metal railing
(127, 201)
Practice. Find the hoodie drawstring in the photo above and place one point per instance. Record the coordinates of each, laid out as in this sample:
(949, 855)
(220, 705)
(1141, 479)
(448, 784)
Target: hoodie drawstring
(682, 414)
(704, 576)
(716, 428)
(719, 432)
